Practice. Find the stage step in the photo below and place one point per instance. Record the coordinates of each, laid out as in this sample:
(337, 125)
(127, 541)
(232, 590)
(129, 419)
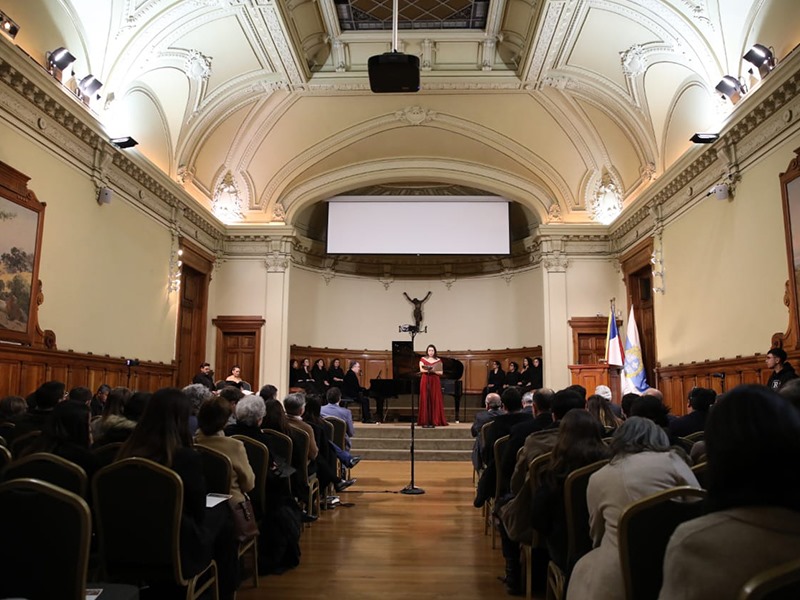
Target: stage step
(392, 441)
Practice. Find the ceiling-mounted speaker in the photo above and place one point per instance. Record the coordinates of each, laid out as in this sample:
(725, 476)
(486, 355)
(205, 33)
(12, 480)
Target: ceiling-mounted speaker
(105, 195)
(393, 73)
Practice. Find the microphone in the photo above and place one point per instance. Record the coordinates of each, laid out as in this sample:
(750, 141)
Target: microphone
(718, 375)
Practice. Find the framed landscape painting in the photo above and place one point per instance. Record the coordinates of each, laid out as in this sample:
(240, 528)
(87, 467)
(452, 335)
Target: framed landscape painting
(21, 220)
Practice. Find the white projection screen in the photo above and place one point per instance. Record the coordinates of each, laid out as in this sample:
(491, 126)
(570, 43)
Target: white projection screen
(418, 225)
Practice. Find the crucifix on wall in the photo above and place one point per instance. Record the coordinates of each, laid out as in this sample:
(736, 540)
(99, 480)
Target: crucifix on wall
(417, 308)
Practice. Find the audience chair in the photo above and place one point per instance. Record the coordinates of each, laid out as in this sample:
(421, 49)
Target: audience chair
(534, 468)
(3, 442)
(476, 476)
(579, 538)
(258, 457)
(500, 484)
(218, 471)
(20, 444)
(138, 505)
(283, 446)
(684, 444)
(312, 501)
(644, 531)
(50, 468)
(5, 457)
(778, 583)
(45, 552)
(697, 436)
(339, 437)
(107, 453)
(700, 471)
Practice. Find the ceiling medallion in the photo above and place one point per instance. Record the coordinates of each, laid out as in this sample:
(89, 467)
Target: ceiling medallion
(606, 204)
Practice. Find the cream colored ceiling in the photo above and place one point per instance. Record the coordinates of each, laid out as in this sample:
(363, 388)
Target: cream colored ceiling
(550, 99)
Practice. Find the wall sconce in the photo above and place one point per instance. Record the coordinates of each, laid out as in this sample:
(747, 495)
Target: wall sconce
(657, 260)
(762, 59)
(175, 266)
(704, 138)
(124, 142)
(731, 88)
(8, 26)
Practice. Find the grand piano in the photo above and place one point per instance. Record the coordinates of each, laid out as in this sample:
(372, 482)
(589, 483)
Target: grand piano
(405, 376)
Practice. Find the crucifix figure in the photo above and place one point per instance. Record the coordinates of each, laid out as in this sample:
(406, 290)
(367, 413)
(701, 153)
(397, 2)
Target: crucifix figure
(417, 308)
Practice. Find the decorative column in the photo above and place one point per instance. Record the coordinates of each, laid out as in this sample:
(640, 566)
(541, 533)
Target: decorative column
(555, 350)
(275, 343)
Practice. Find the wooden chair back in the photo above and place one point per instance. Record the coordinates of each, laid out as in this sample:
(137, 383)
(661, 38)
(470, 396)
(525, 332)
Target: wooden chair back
(339, 431)
(700, 471)
(283, 448)
(644, 531)
(258, 457)
(501, 484)
(138, 505)
(483, 436)
(45, 550)
(778, 583)
(50, 468)
(579, 538)
(217, 469)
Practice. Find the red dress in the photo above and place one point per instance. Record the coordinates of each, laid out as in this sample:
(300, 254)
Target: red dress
(431, 406)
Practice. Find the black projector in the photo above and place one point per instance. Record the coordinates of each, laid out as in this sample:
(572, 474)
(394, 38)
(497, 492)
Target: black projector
(393, 72)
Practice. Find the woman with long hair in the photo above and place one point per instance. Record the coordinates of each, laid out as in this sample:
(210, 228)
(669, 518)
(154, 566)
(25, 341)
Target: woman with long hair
(162, 435)
(600, 409)
(526, 374)
(336, 373)
(113, 417)
(235, 379)
(512, 375)
(320, 375)
(753, 443)
(642, 464)
(431, 405)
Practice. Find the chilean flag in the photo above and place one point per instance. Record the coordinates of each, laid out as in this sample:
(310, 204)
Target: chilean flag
(615, 355)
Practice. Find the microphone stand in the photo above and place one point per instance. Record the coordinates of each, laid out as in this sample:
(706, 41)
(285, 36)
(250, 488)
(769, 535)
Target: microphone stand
(411, 489)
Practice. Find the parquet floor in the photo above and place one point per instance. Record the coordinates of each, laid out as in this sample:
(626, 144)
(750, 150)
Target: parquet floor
(388, 545)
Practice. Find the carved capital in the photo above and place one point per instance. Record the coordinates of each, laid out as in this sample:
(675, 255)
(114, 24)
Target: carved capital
(555, 263)
(276, 262)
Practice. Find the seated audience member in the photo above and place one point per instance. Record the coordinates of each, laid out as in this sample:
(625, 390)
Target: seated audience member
(320, 376)
(235, 379)
(294, 404)
(12, 408)
(542, 419)
(782, 371)
(278, 544)
(651, 406)
(80, 394)
(753, 443)
(605, 392)
(512, 375)
(295, 373)
(527, 402)
(197, 394)
(205, 377)
(352, 390)
(700, 401)
(579, 389)
(526, 375)
(642, 464)
(501, 426)
(45, 399)
(495, 380)
(579, 443)
(163, 436)
(328, 451)
(113, 417)
(268, 392)
(336, 373)
(232, 395)
(627, 403)
(492, 403)
(132, 411)
(334, 409)
(211, 420)
(600, 409)
(66, 434)
(537, 376)
(99, 399)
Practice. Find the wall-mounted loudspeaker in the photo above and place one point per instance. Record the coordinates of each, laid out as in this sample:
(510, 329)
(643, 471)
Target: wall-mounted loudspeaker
(104, 195)
(393, 73)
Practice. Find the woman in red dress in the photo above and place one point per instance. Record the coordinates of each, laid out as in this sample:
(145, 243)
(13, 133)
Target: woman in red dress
(431, 406)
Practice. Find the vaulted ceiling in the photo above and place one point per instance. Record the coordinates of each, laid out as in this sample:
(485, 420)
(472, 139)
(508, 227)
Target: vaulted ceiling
(541, 105)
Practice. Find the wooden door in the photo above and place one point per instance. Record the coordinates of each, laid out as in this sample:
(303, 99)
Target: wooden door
(639, 281)
(238, 343)
(190, 347)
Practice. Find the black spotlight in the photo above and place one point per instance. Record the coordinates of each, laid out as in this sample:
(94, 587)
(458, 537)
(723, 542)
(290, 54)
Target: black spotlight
(124, 142)
(762, 58)
(704, 138)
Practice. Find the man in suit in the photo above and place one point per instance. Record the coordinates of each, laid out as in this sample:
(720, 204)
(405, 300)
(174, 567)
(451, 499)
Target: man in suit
(700, 401)
(351, 389)
(542, 419)
(501, 426)
(205, 377)
(492, 404)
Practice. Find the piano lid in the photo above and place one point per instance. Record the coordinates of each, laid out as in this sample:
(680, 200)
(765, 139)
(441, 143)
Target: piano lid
(405, 363)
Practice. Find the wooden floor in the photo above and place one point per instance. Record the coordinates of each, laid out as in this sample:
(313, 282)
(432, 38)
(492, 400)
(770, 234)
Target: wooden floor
(389, 545)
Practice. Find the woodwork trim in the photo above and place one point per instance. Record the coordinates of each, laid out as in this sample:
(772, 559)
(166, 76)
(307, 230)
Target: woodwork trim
(790, 339)
(196, 257)
(590, 326)
(23, 369)
(476, 362)
(635, 259)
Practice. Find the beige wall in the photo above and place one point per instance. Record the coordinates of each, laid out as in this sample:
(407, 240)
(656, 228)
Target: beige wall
(726, 267)
(360, 314)
(105, 290)
(591, 284)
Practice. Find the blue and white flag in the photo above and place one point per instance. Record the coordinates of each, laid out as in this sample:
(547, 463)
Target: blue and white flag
(635, 377)
(614, 353)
